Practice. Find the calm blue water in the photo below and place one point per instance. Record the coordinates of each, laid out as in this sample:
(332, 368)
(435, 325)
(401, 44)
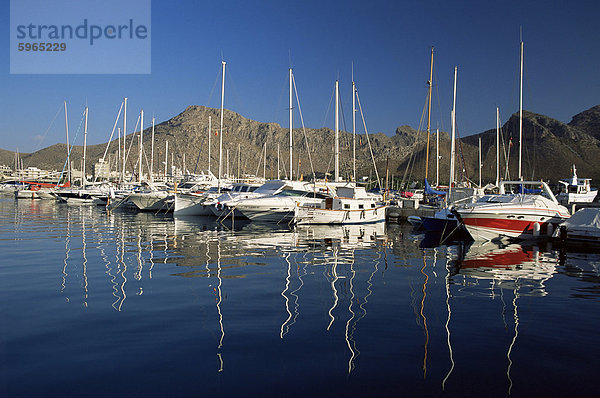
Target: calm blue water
(122, 304)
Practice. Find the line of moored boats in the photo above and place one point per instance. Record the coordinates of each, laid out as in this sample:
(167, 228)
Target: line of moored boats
(519, 209)
(276, 201)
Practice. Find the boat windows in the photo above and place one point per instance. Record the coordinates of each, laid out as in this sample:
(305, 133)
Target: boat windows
(346, 206)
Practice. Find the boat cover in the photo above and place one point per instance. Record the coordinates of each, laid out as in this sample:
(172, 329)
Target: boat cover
(588, 218)
(431, 191)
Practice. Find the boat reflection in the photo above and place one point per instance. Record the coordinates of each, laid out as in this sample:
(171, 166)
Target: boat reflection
(348, 236)
(524, 270)
(194, 236)
(336, 248)
(513, 266)
(128, 247)
(208, 248)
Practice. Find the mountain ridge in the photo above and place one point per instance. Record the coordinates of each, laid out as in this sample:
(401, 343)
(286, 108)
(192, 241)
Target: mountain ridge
(550, 148)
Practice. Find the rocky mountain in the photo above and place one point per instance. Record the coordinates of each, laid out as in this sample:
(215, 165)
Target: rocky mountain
(550, 147)
(588, 121)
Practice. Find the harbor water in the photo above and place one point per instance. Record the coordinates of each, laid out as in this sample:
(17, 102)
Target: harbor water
(97, 303)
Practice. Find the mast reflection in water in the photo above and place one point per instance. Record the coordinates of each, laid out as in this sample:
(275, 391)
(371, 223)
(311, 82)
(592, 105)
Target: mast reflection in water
(98, 303)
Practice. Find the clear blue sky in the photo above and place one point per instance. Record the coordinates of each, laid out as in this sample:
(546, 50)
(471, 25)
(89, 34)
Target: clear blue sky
(388, 42)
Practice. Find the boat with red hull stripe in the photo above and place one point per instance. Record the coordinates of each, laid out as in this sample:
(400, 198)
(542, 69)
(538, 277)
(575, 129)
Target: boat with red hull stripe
(513, 213)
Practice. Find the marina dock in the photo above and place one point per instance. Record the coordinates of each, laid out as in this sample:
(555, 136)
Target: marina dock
(403, 209)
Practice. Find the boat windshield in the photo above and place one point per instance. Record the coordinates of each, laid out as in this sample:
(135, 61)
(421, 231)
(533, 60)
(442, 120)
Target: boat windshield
(186, 185)
(216, 189)
(496, 199)
(240, 188)
(294, 192)
(270, 187)
(527, 188)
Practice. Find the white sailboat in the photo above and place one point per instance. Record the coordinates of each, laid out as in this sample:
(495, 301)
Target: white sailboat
(445, 221)
(195, 203)
(83, 195)
(276, 199)
(350, 204)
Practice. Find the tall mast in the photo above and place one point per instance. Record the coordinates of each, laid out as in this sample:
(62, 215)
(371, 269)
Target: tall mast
(353, 127)
(83, 179)
(118, 160)
(291, 115)
(453, 138)
(497, 147)
(480, 164)
(337, 132)
(429, 114)
(223, 63)
(278, 175)
(209, 134)
(437, 158)
(521, 113)
(152, 154)
(68, 147)
(141, 141)
(124, 134)
(166, 159)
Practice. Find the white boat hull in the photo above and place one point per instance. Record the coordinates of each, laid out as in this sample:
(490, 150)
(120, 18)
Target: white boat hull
(75, 197)
(310, 215)
(42, 193)
(275, 209)
(152, 201)
(80, 201)
(568, 198)
(26, 194)
(268, 215)
(191, 205)
(46, 194)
